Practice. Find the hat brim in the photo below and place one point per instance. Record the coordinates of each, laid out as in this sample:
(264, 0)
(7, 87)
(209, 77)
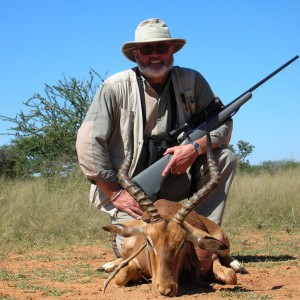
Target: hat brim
(129, 46)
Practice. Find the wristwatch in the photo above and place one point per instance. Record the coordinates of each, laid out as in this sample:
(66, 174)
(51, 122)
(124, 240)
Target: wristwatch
(197, 147)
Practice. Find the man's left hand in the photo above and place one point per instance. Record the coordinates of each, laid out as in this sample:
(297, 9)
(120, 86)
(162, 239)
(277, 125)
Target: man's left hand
(183, 156)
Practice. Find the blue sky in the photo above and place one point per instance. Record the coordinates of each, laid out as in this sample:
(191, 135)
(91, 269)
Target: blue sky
(233, 43)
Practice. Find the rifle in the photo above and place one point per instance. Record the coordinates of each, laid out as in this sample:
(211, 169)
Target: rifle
(151, 179)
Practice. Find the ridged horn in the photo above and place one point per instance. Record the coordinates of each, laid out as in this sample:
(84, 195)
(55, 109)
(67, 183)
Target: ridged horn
(127, 184)
(190, 203)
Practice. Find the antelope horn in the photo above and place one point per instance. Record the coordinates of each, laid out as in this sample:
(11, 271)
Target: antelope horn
(205, 191)
(123, 179)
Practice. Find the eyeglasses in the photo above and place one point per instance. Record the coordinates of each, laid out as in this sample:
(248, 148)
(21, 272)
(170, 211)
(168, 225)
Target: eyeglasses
(158, 48)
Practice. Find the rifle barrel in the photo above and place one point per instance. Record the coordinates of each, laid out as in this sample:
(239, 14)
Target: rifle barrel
(266, 78)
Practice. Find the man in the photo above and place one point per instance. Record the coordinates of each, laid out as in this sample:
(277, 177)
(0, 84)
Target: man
(151, 100)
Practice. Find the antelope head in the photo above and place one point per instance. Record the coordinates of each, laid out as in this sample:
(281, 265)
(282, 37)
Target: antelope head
(167, 240)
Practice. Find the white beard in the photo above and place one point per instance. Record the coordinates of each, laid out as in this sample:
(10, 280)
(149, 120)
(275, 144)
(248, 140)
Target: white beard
(153, 72)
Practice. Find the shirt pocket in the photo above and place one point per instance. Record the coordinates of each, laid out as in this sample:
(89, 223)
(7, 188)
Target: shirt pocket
(190, 101)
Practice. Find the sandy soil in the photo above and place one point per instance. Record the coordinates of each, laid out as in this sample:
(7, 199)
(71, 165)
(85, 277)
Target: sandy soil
(53, 274)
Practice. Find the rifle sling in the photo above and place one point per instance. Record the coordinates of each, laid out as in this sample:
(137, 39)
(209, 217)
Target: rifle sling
(142, 93)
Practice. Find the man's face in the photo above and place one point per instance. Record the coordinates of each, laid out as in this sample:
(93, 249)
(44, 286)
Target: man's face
(155, 60)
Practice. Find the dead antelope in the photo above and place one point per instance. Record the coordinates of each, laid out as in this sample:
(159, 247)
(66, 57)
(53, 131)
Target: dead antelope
(171, 241)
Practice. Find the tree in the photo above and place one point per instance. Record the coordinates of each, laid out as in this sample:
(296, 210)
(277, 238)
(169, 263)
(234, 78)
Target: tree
(10, 162)
(45, 137)
(245, 149)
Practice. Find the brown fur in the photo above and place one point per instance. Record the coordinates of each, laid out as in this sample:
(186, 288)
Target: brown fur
(173, 253)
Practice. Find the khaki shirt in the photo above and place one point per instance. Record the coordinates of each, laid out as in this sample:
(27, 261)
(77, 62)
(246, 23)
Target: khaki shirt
(116, 111)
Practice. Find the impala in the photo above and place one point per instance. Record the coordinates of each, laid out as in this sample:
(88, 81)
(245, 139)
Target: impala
(171, 241)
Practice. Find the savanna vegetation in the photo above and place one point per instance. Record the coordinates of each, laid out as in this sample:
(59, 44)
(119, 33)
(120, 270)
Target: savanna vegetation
(43, 195)
(51, 241)
(44, 198)
(55, 212)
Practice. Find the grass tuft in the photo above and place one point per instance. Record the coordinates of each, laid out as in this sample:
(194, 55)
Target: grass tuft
(265, 201)
(41, 213)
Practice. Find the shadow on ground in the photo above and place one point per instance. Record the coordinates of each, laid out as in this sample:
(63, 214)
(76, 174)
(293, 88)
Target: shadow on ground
(263, 258)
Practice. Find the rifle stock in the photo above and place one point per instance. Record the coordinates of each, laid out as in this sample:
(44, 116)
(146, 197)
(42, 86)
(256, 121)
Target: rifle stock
(150, 180)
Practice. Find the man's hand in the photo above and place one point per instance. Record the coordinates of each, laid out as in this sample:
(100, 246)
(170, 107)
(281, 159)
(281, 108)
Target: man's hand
(183, 157)
(122, 201)
(128, 204)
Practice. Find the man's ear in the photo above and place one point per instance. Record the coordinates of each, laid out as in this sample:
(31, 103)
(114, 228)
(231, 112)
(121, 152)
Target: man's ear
(126, 229)
(135, 53)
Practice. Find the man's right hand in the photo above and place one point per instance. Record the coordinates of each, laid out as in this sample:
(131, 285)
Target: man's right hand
(126, 203)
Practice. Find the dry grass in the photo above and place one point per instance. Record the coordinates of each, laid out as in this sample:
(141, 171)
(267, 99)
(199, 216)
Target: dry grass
(269, 201)
(262, 220)
(41, 213)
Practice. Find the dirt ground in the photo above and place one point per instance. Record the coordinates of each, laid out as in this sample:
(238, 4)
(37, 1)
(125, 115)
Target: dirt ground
(71, 274)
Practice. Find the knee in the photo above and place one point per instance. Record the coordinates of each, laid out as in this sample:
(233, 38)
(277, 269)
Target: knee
(227, 159)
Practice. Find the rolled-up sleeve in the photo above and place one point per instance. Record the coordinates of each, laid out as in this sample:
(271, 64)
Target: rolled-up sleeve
(221, 136)
(94, 134)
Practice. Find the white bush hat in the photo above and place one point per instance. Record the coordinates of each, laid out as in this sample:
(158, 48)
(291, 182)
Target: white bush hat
(149, 31)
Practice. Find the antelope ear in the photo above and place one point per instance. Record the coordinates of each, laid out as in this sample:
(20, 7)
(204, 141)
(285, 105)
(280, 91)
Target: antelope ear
(205, 240)
(126, 229)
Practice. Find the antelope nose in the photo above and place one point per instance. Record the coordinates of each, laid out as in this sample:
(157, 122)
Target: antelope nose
(169, 291)
(165, 291)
